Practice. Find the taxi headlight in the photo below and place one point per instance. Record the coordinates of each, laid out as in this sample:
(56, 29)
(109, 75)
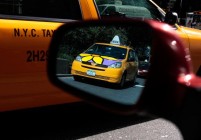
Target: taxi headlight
(116, 65)
(78, 58)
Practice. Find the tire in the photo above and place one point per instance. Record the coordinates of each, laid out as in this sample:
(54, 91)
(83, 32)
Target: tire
(122, 82)
(133, 81)
(77, 78)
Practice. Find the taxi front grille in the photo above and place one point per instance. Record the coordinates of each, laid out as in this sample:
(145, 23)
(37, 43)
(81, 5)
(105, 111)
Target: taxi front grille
(100, 65)
(97, 76)
(97, 65)
(93, 68)
(87, 63)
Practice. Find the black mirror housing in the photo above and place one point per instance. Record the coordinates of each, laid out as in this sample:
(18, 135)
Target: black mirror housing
(171, 18)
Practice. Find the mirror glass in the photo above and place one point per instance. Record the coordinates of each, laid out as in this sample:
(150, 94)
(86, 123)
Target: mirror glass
(108, 61)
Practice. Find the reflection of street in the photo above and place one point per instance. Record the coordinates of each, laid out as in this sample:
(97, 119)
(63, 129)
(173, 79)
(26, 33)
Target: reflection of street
(128, 95)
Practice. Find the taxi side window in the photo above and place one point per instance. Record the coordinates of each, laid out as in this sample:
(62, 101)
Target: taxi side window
(63, 9)
(132, 56)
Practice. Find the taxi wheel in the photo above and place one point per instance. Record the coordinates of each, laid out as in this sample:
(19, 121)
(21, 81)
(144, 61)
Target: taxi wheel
(77, 78)
(134, 79)
(123, 80)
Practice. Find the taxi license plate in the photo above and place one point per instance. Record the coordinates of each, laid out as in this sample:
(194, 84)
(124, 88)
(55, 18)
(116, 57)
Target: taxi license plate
(91, 73)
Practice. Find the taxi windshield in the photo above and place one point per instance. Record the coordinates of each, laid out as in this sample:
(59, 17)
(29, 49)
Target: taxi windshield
(107, 50)
(129, 8)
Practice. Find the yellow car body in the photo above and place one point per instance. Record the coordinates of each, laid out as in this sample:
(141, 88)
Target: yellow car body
(23, 74)
(192, 39)
(110, 65)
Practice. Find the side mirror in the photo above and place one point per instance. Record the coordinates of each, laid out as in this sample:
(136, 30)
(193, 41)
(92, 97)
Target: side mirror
(171, 18)
(92, 69)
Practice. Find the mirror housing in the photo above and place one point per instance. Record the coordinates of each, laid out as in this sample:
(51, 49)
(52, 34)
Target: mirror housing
(171, 18)
(169, 78)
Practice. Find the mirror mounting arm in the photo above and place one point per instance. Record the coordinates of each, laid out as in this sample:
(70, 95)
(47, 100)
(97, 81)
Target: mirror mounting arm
(171, 18)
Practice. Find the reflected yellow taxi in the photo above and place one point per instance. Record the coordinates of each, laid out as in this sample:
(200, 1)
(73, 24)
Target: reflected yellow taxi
(106, 62)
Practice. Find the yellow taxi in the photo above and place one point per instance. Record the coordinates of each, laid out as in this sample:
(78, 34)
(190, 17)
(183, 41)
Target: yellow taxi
(107, 62)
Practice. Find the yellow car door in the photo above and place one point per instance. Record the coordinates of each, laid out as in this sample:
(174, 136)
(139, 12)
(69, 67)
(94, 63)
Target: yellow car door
(24, 44)
(132, 66)
(191, 39)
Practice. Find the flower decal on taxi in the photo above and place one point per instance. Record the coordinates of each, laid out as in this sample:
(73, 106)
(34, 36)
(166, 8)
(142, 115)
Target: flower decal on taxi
(104, 60)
